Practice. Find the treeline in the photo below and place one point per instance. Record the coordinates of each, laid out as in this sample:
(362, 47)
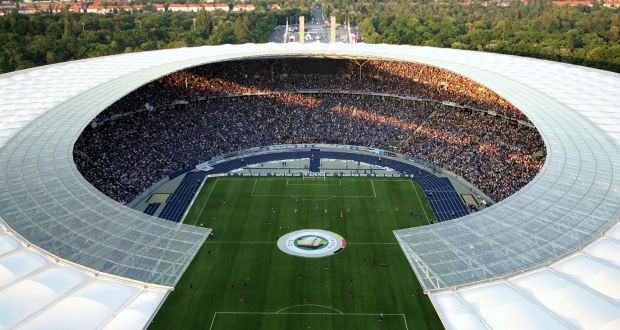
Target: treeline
(580, 35)
(39, 39)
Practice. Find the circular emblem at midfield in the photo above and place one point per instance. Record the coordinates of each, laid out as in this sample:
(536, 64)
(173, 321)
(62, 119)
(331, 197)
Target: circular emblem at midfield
(311, 243)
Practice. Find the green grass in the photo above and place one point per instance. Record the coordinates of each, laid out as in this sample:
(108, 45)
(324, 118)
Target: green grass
(244, 251)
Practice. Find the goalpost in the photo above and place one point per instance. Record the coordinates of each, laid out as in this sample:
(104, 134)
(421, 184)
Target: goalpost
(313, 177)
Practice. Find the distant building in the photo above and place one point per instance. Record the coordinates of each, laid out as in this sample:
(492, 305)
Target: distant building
(573, 3)
(503, 3)
(244, 7)
(115, 6)
(611, 4)
(197, 7)
(118, 8)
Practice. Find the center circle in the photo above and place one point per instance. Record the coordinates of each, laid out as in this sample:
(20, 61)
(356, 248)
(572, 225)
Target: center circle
(311, 243)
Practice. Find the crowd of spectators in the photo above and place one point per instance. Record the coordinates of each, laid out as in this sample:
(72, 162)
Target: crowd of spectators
(123, 157)
(497, 156)
(268, 75)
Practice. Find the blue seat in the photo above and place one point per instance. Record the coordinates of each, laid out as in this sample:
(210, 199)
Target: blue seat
(180, 199)
(151, 208)
(445, 202)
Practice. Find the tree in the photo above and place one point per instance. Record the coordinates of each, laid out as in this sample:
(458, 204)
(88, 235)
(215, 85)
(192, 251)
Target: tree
(66, 23)
(241, 30)
(223, 34)
(203, 22)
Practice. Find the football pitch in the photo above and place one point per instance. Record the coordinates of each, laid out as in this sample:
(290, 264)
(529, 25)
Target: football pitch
(240, 279)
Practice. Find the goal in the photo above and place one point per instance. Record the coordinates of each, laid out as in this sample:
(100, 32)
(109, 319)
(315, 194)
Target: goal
(313, 177)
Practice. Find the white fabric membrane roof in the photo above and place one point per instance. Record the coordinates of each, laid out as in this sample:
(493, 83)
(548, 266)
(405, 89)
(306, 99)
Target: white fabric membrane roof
(548, 256)
(37, 292)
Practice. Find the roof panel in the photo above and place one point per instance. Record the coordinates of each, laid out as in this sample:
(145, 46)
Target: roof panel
(570, 203)
(503, 307)
(574, 303)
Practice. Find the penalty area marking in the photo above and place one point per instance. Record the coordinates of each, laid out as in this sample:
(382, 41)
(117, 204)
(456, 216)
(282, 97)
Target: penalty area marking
(325, 183)
(320, 197)
(317, 197)
(315, 305)
(257, 242)
(308, 197)
(335, 313)
(282, 178)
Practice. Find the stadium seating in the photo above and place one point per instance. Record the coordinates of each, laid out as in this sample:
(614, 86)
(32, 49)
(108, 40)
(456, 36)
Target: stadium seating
(444, 200)
(151, 208)
(227, 166)
(217, 109)
(181, 198)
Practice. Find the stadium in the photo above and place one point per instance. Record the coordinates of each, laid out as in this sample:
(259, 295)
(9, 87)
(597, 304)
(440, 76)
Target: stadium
(279, 186)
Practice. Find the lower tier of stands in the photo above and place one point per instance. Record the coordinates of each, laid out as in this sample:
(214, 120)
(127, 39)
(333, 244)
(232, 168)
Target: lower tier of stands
(181, 198)
(151, 208)
(440, 193)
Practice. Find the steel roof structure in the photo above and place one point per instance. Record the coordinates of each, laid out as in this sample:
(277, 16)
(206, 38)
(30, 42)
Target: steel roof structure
(533, 260)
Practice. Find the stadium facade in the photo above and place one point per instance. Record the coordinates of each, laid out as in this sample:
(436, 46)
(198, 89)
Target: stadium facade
(547, 256)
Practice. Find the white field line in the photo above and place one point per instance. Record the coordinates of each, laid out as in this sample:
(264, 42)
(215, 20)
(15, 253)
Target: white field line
(316, 197)
(189, 207)
(301, 313)
(311, 313)
(311, 184)
(288, 183)
(313, 199)
(370, 243)
(372, 183)
(314, 305)
(274, 242)
(312, 177)
(282, 178)
(420, 200)
(206, 201)
(213, 320)
(254, 188)
(312, 196)
(264, 178)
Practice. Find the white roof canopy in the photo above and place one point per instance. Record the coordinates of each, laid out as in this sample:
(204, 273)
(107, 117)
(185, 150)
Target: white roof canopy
(574, 200)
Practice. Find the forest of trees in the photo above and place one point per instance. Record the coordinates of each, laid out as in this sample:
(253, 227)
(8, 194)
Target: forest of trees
(33, 40)
(587, 36)
(582, 35)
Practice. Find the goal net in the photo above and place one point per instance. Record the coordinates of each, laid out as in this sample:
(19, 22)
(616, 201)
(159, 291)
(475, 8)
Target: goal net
(312, 177)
